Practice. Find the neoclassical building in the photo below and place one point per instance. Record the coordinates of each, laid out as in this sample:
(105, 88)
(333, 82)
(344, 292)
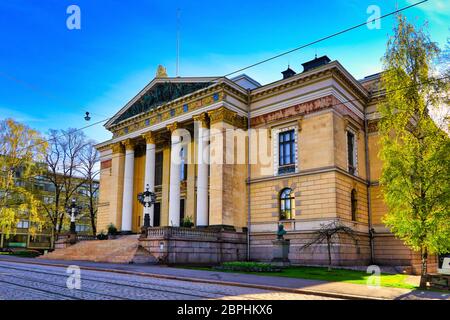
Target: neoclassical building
(317, 163)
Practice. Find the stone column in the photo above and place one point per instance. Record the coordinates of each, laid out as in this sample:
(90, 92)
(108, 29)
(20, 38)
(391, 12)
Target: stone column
(112, 190)
(127, 203)
(202, 170)
(150, 170)
(175, 168)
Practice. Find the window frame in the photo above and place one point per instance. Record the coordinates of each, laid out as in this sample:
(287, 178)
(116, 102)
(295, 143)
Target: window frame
(285, 168)
(283, 201)
(352, 169)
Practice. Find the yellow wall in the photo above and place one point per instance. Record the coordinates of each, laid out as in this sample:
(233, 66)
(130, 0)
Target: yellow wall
(165, 186)
(316, 142)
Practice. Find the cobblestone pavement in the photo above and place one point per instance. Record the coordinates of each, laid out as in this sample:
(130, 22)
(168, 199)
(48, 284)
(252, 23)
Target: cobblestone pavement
(33, 282)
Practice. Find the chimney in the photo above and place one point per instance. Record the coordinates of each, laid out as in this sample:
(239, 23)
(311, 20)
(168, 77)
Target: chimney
(288, 73)
(316, 62)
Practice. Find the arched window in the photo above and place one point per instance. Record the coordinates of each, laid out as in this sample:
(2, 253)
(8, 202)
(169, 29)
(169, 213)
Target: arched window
(287, 204)
(354, 200)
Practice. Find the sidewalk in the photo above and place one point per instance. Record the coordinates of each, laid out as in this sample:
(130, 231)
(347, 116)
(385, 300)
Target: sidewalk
(305, 286)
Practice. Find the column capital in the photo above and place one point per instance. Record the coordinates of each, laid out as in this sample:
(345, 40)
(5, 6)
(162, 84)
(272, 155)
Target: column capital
(222, 114)
(149, 137)
(202, 118)
(173, 126)
(129, 144)
(117, 148)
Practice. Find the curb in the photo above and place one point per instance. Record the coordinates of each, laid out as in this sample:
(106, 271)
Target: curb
(225, 283)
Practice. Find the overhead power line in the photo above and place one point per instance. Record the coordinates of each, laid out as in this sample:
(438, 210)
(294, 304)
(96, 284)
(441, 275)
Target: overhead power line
(275, 56)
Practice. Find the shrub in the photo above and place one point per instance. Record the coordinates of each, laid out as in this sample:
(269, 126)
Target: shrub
(112, 230)
(25, 253)
(102, 236)
(248, 267)
(187, 222)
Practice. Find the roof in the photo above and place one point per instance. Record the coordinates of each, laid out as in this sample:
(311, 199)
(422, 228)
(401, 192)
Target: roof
(158, 92)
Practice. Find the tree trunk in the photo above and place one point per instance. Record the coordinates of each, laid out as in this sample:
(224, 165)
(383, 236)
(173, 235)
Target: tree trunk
(424, 269)
(329, 252)
(94, 227)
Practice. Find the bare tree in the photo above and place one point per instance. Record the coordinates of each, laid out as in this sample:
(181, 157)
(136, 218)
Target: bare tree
(327, 233)
(64, 161)
(90, 172)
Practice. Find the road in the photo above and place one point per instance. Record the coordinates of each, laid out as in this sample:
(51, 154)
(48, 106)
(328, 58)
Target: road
(34, 282)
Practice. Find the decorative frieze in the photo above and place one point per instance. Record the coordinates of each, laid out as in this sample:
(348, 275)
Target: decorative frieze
(166, 112)
(106, 164)
(296, 110)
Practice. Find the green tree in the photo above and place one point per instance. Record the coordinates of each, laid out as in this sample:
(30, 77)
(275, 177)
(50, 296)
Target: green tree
(414, 149)
(22, 152)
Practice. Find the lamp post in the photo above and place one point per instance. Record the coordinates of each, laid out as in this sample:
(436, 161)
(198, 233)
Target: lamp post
(147, 199)
(73, 210)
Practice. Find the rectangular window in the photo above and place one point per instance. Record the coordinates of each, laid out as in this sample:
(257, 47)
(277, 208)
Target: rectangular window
(158, 168)
(286, 153)
(351, 152)
(23, 224)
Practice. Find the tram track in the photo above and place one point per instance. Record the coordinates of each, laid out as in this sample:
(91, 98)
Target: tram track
(51, 284)
(147, 287)
(39, 291)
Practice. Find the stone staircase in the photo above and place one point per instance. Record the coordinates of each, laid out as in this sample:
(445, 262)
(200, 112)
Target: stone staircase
(124, 249)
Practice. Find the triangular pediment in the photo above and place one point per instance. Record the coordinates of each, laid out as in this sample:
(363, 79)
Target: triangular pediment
(159, 92)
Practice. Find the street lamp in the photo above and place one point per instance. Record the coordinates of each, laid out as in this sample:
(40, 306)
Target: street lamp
(147, 199)
(73, 210)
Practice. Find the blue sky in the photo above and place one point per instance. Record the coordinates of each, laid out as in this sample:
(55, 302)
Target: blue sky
(50, 75)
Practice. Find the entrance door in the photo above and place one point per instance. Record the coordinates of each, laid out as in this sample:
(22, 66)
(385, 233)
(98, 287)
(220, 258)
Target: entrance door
(157, 215)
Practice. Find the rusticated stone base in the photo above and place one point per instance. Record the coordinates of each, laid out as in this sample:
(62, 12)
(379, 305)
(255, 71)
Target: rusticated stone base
(391, 251)
(344, 252)
(199, 246)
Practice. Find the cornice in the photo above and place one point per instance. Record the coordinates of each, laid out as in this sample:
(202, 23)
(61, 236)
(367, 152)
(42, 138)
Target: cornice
(332, 70)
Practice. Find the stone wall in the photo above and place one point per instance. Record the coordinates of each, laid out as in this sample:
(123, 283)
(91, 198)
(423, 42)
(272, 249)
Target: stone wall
(344, 250)
(391, 251)
(195, 246)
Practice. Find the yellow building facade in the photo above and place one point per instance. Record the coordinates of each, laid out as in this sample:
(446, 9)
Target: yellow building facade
(302, 151)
